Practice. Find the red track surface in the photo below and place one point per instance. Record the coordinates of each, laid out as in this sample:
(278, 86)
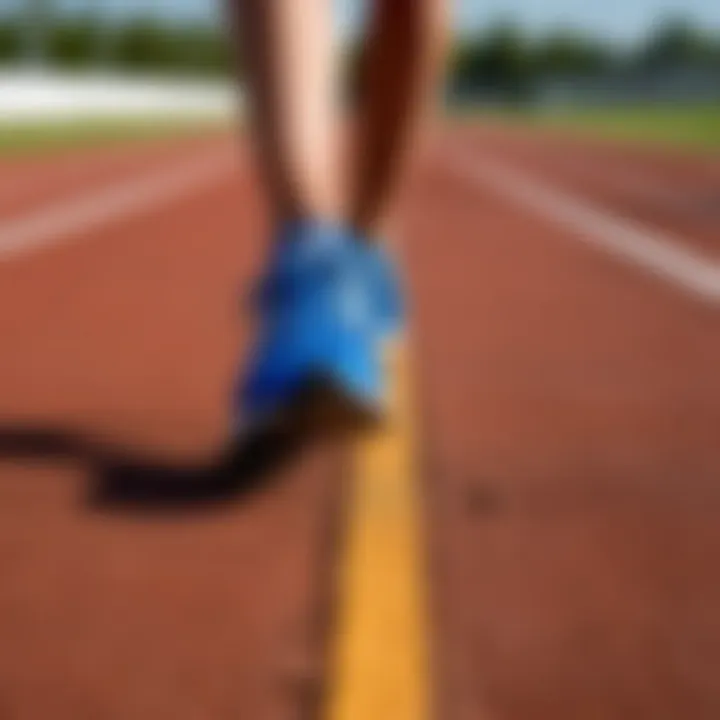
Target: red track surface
(572, 410)
(28, 184)
(571, 413)
(116, 348)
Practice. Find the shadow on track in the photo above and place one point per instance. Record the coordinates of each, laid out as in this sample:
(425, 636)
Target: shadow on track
(124, 479)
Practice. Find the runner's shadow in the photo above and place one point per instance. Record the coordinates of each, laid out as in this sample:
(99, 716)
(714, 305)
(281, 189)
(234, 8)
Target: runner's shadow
(124, 479)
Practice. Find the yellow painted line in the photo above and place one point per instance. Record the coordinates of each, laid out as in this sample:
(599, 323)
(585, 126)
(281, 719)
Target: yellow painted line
(380, 662)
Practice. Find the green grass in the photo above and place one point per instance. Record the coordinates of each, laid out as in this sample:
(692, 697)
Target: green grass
(53, 136)
(696, 126)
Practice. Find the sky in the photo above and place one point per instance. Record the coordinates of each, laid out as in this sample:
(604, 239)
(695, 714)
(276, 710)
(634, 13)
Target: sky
(616, 19)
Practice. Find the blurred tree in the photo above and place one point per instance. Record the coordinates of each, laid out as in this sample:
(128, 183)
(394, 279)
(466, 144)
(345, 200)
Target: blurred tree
(38, 17)
(677, 43)
(200, 50)
(499, 60)
(10, 41)
(104, 23)
(91, 40)
(72, 44)
(507, 56)
(143, 45)
(147, 45)
(569, 53)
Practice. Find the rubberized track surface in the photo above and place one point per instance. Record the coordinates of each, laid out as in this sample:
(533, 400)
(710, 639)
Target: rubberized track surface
(570, 413)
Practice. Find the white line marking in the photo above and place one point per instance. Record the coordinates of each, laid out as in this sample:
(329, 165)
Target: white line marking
(650, 250)
(52, 223)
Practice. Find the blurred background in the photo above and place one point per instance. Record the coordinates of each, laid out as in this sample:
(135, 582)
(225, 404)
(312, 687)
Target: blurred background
(552, 61)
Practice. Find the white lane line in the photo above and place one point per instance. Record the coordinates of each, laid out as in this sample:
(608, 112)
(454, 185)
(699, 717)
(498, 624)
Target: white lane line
(657, 253)
(53, 223)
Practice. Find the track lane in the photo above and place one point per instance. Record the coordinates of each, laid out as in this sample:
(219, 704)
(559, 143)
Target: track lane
(571, 407)
(571, 470)
(127, 340)
(27, 184)
(677, 193)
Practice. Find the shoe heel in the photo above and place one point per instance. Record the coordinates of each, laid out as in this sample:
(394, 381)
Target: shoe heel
(323, 406)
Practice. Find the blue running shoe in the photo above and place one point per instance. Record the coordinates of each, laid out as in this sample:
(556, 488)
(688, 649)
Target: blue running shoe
(317, 359)
(388, 301)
